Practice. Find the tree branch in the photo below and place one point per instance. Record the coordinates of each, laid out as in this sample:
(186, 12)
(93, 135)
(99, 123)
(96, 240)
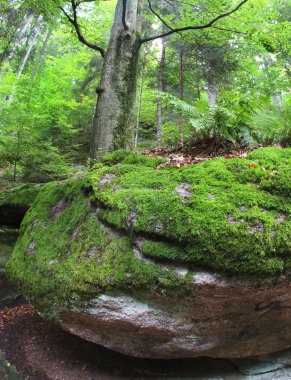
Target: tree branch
(124, 15)
(229, 30)
(205, 26)
(84, 1)
(158, 16)
(74, 22)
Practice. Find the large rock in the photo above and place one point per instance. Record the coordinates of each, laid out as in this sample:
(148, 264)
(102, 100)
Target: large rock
(165, 263)
(15, 200)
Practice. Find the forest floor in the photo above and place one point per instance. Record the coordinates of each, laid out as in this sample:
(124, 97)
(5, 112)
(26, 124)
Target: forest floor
(188, 155)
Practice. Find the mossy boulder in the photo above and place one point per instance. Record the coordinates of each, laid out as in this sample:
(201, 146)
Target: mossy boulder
(165, 263)
(15, 200)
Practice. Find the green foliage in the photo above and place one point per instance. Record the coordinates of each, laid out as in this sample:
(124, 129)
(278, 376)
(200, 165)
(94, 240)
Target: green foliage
(216, 121)
(272, 126)
(43, 130)
(46, 113)
(44, 165)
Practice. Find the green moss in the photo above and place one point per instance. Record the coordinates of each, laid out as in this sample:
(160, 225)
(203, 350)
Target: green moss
(237, 218)
(22, 195)
(163, 250)
(60, 255)
(219, 214)
(126, 157)
(270, 155)
(269, 168)
(116, 157)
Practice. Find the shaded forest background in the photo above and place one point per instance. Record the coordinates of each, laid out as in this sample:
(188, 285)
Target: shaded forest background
(227, 86)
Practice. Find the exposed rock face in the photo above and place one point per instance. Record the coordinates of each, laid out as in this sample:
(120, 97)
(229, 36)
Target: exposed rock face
(218, 318)
(118, 260)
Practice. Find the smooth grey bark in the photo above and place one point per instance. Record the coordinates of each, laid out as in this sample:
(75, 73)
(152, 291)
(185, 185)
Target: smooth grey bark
(28, 52)
(30, 46)
(114, 115)
(161, 87)
(212, 93)
(181, 93)
(17, 43)
(41, 54)
(136, 132)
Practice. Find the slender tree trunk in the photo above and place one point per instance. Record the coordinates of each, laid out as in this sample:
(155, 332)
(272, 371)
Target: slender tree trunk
(161, 87)
(16, 157)
(6, 49)
(27, 55)
(17, 42)
(40, 56)
(31, 45)
(181, 93)
(277, 100)
(212, 92)
(114, 115)
(139, 103)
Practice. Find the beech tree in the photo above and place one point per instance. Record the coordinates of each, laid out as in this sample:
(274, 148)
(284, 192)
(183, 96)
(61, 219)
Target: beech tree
(113, 120)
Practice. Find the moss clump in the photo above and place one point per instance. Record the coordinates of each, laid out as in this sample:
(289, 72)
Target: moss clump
(163, 250)
(269, 168)
(116, 157)
(21, 195)
(14, 203)
(123, 156)
(217, 214)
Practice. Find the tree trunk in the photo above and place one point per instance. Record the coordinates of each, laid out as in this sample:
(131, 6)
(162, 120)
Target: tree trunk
(277, 100)
(181, 93)
(161, 87)
(114, 115)
(139, 103)
(212, 93)
(27, 55)
(17, 42)
(30, 46)
(40, 56)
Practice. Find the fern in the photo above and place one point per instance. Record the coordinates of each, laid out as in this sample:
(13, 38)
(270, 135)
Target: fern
(271, 126)
(217, 121)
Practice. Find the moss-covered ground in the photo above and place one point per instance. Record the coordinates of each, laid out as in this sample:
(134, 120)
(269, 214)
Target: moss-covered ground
(80, 236)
